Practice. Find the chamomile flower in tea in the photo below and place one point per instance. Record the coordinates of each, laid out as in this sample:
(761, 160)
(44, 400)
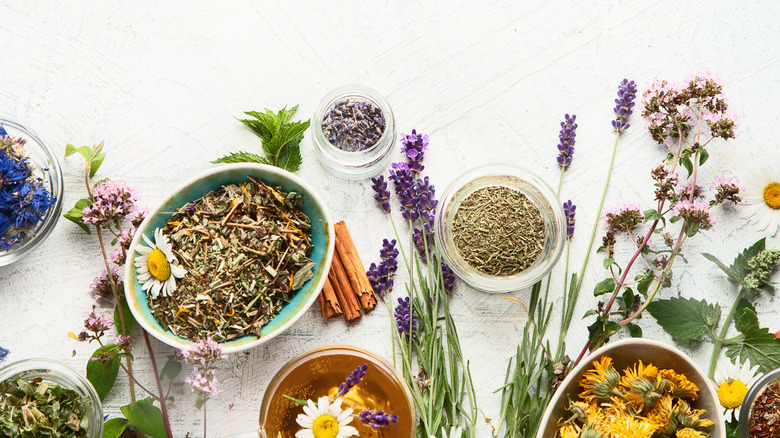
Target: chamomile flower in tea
(645, 402)
(157, 267)
(325, 420)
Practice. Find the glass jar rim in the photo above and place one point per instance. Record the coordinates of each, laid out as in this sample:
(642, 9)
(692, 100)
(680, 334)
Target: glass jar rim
(750, 397)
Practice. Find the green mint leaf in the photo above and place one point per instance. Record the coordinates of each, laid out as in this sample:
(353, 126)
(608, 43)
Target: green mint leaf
(595, 331)
(590, 312)
(146, 417)
(681, 317)
(634, 330)
(758, 344)
(606, 285)
(287, 134)
(686, 162)
(644, 282)
(241, 157)
(102, 376)
(172, 369)
(729, 272)
(256, 126)
(114, 427)
(652, 215)
(710, 314)
(127, 314)
(290, 158)
(628, 298)
(95, 163)
(740, 265)
(745, 317)
(703, 155)
(76, 216)
(675, 219)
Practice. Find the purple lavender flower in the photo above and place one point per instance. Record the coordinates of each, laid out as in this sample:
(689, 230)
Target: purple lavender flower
(426, 203)
(382, 195)
(414, 146)
(3, 352)
(449, 278)
(402, 178)
(381, 277)
(566, 138)
(112, 200)
(101, 286)
(569, 210)
(377, 419)
(353, 379)
(422, 243)
(405, 319)
(624, 105)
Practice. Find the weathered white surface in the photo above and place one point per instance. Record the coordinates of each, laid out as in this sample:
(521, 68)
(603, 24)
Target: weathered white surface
(162, 84)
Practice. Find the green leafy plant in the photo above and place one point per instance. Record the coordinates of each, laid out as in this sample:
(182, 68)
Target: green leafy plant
(281, 139)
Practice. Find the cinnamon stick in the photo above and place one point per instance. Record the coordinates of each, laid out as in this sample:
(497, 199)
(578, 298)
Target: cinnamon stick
(346, 298)
(329, 303)
(353, 266)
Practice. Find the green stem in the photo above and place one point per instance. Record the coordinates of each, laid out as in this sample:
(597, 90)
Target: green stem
(720, 339)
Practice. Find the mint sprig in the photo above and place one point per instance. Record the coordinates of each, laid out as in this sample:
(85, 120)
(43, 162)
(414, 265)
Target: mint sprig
(281, 139)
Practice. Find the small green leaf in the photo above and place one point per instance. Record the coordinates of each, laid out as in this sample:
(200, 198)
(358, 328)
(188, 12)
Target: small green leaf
(674, 219)
(628, 298)
(681, 317)
(590, 312)
(740, 265)
(84, 151)
(146, 417)
(729, 272)
(127, 314)
(69, 150)
(172, 369)
(644, 282)
(200, 400)
(241, 157)
(95, 163)
(634, 330)
(758, 344)
(652, 215)
(595, 331)
(606, 285)
(103, 376)
(114, 427)
(710, 314)
(686, 162)
(76, 214)
(703, 155)
(611, 327)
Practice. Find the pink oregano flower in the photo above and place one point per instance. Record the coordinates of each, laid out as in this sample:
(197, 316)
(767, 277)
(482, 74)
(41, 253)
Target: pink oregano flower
(202, 356)
(624, 216)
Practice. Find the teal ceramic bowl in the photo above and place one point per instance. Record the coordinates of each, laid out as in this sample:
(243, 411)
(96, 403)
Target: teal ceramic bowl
(323, 241)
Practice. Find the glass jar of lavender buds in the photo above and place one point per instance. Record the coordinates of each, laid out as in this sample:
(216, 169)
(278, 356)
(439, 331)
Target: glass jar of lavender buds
(500, 228)
(353, 131)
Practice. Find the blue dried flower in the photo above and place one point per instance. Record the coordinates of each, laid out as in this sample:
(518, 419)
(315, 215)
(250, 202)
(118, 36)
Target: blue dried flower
(405, 319)
(414, 146)
(381, 277)
(3, 352)
(449, 278)
(353, 379)
(569, 210)
(624, 104)
(23, 200)
(3, 132)
(566, 138)
(382, 195)
(377, 419)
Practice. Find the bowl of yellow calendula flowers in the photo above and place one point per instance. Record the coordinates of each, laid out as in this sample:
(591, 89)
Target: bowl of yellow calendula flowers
(636, 388)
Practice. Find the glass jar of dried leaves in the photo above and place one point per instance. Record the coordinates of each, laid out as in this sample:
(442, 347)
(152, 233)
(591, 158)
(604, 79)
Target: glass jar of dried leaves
(42, 397)
(353, 131)
(500, 228)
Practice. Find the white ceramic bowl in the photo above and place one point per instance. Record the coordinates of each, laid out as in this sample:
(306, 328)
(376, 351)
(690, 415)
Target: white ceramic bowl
(625, 353)
(323, 241)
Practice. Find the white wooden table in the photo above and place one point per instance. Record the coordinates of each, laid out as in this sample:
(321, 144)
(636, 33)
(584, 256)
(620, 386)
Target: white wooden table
(163, 82)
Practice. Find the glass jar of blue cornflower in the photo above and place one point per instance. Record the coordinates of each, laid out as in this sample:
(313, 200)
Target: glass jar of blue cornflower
(353, 131)
(31, 189)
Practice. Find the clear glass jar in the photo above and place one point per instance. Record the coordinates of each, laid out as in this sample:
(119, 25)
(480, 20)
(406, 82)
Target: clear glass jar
(48, 169)
(353, 164)
(52, 371)
(523, 181)
(746, 409)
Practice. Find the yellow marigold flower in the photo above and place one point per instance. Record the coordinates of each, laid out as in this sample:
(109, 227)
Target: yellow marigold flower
(679, 385)
(641, 370)
(644, 393)
(569, 431)
(691, 433)
(601, 382)
(632, 427)
(661, 413)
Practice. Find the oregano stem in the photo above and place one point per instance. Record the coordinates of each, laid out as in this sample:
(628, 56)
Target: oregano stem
(163, 408)
(720, 339)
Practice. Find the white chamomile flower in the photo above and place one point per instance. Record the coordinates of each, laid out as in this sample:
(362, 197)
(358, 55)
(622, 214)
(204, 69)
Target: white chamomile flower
(762, 195)
(325, 420)
(157, 267)
(455, 432)
(732, 383)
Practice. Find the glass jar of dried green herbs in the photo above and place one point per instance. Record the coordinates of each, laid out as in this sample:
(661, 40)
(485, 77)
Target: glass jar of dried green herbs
(500, 228)
(353, 131)
(43, 397)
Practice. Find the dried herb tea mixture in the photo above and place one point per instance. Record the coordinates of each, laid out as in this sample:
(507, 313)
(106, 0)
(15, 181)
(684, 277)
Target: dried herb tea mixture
(498, 231)
(764, 419)
(246, 250)
(31, 408)
(353, 124)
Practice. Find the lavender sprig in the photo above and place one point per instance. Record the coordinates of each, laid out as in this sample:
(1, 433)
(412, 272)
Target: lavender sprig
(405, 319)
(566, 138)
(377, 419)
(414, 146)
(353, 379)
(381, 277)
(382, 195)
(624, 105)
(569, 210)
(449, 278)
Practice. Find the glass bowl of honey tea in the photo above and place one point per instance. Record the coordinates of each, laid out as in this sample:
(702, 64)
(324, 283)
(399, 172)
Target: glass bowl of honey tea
(500, 228)
(318, 373)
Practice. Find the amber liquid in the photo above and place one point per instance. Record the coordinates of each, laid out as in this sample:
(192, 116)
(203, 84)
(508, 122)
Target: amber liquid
(321, 375)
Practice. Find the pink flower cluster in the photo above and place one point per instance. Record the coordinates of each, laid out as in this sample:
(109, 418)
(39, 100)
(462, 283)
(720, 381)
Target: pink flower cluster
(96, 324)
(202, 355)
(727, 189)
(101, 286)
(697, 214)
(624, 216)
(113, 200)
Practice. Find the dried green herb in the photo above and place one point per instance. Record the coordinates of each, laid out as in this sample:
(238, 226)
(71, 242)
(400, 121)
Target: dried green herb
(35, 408)
(498, 231)
(246, 250)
